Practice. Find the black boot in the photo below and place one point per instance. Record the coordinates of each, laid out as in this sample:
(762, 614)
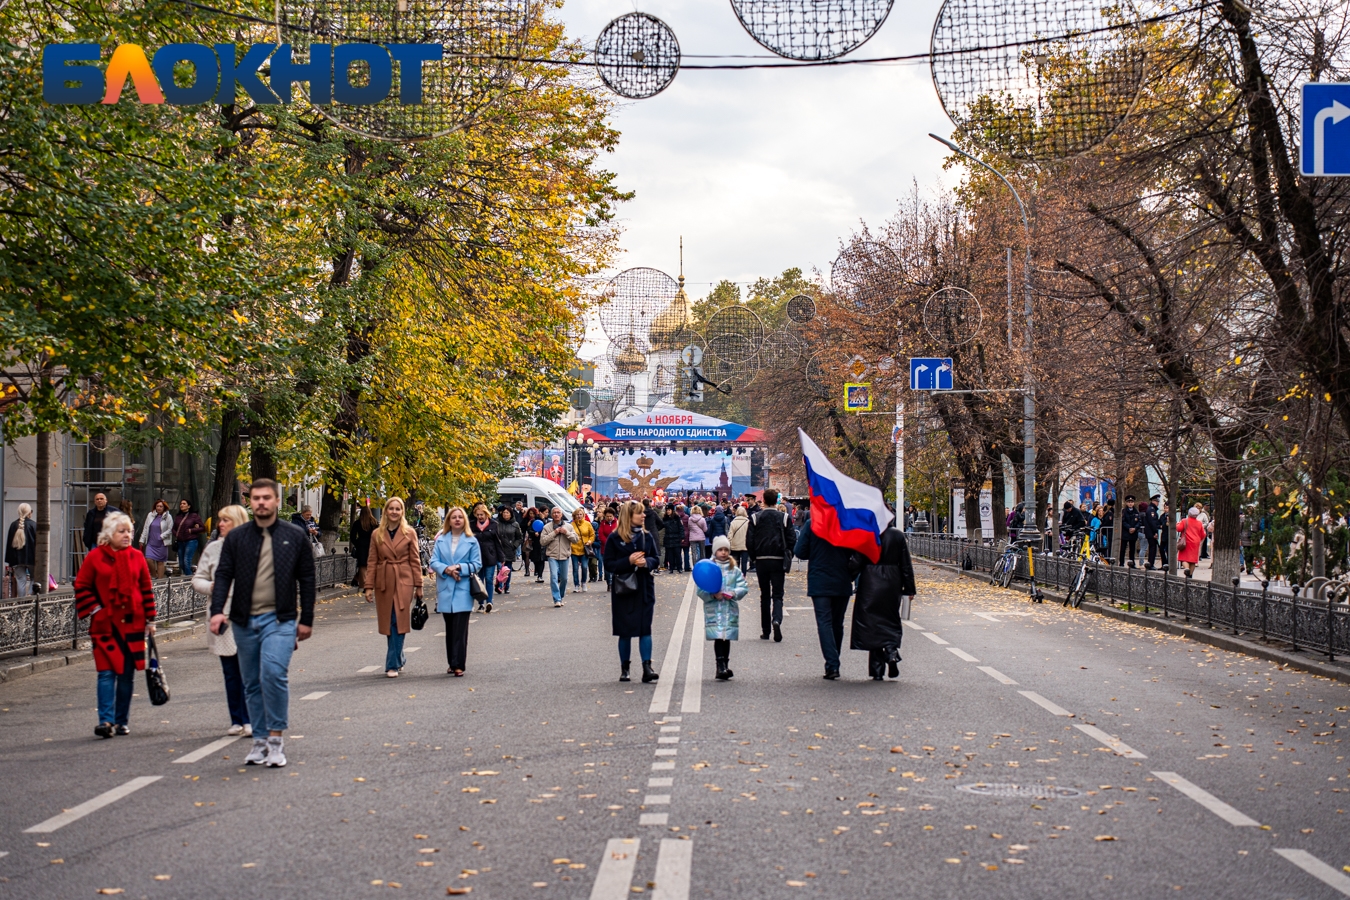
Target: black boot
(623, 672)
(876, 668)
(892, 663)
(648, 673)
(723, 673)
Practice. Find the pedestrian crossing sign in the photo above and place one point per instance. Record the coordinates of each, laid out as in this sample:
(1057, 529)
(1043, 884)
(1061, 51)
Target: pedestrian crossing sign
(857, 397)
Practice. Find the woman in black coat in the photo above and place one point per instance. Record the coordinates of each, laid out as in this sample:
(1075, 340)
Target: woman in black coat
(876, 611)
(489, 542)
(631, 551)
(21, 549)
(673, 532)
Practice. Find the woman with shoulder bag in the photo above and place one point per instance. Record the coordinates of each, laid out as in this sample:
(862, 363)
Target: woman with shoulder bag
(156, 537)
(113, 591)
(222, 645)
(631, 557)
(583, 545)
(490, 545)
(393, 580)
(21, 550)
(510, 535)
(455, 558)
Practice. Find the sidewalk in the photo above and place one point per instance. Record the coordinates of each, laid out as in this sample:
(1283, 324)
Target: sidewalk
(20, 666)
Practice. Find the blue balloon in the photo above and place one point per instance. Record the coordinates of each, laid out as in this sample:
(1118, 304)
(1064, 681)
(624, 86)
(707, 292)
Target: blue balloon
(538, 525)
(708, 576)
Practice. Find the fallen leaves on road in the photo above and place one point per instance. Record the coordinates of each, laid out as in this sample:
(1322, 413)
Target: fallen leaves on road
(953, 860)
(112, 890)
(897, 749)
(163, 877)
(1104, 837)
(796, 884)
(429, 850)
(469, 790)
(561, 861)
(456, 891)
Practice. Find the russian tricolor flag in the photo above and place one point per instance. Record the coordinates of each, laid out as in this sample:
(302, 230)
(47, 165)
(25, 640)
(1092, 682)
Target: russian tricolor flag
(845, 512)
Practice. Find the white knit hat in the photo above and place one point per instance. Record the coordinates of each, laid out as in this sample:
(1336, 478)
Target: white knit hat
(1193, 512)
(721, 541)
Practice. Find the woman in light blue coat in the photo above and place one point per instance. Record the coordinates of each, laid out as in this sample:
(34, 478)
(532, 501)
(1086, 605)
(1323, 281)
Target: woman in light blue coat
(455, 557)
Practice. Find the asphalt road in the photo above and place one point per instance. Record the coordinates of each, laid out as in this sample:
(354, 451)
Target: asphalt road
(1025, 751)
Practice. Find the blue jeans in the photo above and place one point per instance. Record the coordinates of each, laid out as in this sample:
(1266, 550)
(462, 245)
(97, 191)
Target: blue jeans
(695, 551)
(830, 628)
(393, 654)
(114, 695)
(644, 648)
(600, 566)
(265, 648)
(684, 557)
(579, 570)
(187, 553)
(557, 578)
(234, 690)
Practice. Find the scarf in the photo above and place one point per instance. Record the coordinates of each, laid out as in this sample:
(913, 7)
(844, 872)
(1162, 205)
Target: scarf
(125, 583)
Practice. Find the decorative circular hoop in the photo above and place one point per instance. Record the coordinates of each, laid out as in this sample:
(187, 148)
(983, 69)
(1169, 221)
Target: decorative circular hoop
(801, 309)
(952, 316)
(633, 299)
(627, 355)
(811, 30)
(482, 42)
(1037, 79)
(734, 334)
(637, 56)
(814, 373)
(782, 349)
(866, 276)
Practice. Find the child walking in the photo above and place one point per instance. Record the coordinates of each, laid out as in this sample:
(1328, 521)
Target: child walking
(721, 611)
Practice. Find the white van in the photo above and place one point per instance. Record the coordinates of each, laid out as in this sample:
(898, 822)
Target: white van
(537, 492)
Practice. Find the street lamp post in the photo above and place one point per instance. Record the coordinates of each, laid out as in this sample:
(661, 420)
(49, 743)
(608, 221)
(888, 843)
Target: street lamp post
(1028, 385)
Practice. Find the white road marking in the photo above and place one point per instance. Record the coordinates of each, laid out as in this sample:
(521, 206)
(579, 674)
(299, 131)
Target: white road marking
(316, 695)
(616, 869)
(75, 813)
(4, 853)
(799, 608)
(996, 674)
(669, 728)
(660, 782)
(440, 634)
(672, 870)
(412, 649)
(668, 740)
(204, 752)
(664, 766)
(910, 623)
(1046, 704)
(1207, 800)
(656, 800)
(1318, 869)
(653, 818)
(671, 719)
(934, 638)
(993, 617)
(671, 664)
(366, 670)
(1114, 743)
(961, 654)
(692, 701)
(667, 751)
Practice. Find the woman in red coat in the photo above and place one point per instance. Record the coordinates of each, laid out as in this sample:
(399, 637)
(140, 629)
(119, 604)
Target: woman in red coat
(113, 590)
(1193, 533)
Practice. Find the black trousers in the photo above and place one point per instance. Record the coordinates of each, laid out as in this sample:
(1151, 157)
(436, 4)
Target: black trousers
(456, 639)
(1153, 550)
(721, 649)
(1128, 543)
(770, 573)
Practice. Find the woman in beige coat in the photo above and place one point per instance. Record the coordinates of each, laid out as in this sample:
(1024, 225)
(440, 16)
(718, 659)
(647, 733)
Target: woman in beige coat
(393, 579)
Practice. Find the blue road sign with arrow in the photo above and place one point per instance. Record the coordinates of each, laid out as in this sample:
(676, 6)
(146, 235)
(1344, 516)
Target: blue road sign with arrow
(1325, 147)
(930, 374)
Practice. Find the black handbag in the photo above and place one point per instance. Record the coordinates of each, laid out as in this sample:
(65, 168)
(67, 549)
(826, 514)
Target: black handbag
(477, 589)
(156, 685)
(419, 615)
(626, 585)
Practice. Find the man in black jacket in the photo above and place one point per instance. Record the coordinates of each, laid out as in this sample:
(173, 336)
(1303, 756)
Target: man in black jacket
(269, 565)
(769, 540)
(1129, 530)
(93, 521)
(829, 582)
(1150, 521)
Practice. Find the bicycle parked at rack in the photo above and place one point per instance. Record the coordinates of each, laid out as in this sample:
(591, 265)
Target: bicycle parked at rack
(1005, 568)
(1087, 557)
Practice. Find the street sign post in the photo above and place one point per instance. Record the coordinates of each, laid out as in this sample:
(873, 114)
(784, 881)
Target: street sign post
(857, 397)
(930, 373)
(1325, 146)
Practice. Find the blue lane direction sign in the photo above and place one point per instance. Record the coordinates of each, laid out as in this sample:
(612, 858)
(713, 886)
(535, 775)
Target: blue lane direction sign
(1325, 146)
(930, 373)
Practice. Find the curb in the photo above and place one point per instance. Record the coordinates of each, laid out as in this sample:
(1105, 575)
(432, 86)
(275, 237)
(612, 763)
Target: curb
(1290, 658)
(176, 631)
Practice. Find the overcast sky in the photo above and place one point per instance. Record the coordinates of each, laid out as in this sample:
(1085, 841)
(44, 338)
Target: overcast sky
(762, 170)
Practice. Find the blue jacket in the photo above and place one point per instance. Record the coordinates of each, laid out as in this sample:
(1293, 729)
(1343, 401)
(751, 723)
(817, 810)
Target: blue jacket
(453, 596)
(717, 525)
(829, 574)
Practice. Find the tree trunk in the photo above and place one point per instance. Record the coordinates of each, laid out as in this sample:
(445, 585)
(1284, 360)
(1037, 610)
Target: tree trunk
(42, 510)
(999, 502)
(227, 459)
(1227, 488)
(261, 462)
(974, 532)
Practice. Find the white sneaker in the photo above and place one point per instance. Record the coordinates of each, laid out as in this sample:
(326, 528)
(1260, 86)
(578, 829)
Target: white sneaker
(235, 729)
(276, 755)
(583, 588)
(248, 731)
(258, 755)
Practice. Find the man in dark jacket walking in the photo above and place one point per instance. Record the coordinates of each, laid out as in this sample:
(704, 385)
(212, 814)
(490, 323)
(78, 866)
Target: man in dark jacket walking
(829, 582)
(770, 541)
(93, 521)
(271, 569)
(1129, 530)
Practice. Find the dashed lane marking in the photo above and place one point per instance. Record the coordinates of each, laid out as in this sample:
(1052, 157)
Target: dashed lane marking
(934, 638)
(996, 674)
(692, 701)
(1114, 743)
(204, 752)
(366, 670)
(75, 813)
(910, 623)
(671, 664)
(316, 695)
(1207, 800)
(1046, 704)
(1318, 869)
(672, 869)
(412, 649)
(656, 800)
(660, 782)
(961, 654)
(663, 766)
(667, 751)
(668, 740)
(653, 818)
(994, 617)
(616, 869)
